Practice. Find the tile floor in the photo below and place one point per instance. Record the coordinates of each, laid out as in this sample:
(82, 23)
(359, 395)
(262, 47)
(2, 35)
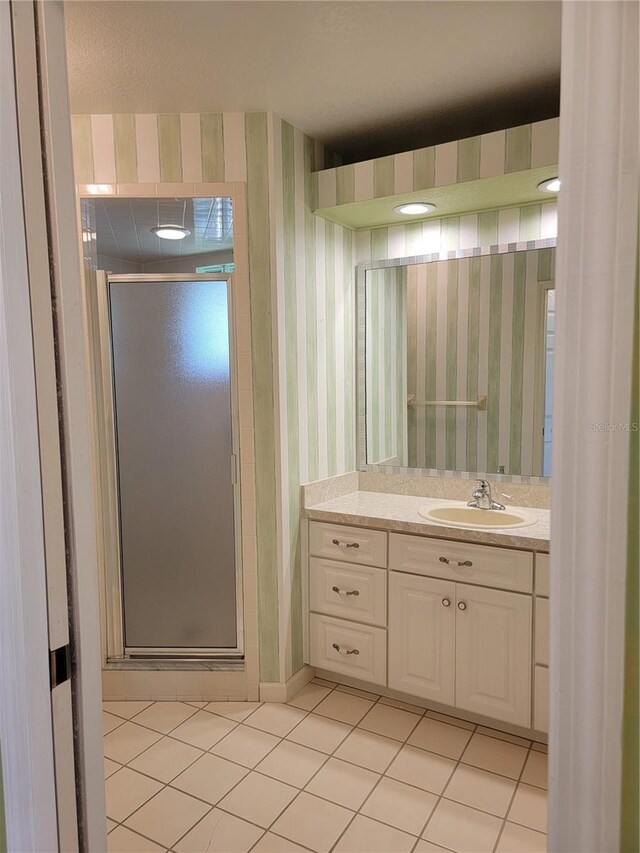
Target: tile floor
(335, 769)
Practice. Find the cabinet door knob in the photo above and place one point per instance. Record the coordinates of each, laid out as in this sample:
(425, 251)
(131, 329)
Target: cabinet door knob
(342, 651)
(462, 605)
(345, 544)
(446, 602)
(339, 591)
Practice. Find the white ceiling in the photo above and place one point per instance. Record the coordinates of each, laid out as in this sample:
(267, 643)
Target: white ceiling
(366, 78)
(123, 227)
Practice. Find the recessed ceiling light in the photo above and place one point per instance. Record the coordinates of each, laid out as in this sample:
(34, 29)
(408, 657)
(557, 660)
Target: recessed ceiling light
(550, 186)
(171, 232)
(415, 208)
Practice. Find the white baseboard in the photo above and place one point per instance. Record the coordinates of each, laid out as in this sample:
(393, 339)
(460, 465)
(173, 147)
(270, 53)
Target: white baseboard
(282, 691)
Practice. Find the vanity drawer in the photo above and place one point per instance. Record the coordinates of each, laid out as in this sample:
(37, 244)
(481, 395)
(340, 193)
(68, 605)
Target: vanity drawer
(542, 574)
(349, 648)
(353, 544)
(542, 631)
(461, 561)
(350, 592)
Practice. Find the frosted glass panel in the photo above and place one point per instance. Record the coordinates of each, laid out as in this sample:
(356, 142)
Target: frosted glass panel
(170, 342)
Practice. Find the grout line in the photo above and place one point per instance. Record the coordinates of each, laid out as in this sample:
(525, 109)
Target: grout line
(513, 796)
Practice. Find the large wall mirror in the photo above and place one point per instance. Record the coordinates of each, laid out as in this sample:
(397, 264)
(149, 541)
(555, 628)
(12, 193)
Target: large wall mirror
(455, 362)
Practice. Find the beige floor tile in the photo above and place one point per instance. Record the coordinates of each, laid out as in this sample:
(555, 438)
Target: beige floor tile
(245, 746)
(355, 691)
(126, 791)
(536, 770)
(440, 737)
(309, 696)
(110, 767)
(342, 783)
(390, 722)
(424, 846)
(203, 729)
(324, 682)
(368, 836)
(126, 710)
(165, 759)
(404, 706)
(111, 824)
(481, 790)
(122, 840)
(313, 822)
(319, 733)
(462, 829)
(127, 741)
(196, 704)
(210, 778)
(519, 839)
(276, 718)
(258, 799)
(400, 805)
(495, 755)
(343, 707)
(529, 808)
(164, 716)
(424, 769)
(110, 722)
(292, 763)
(167, 816)
(369, 750)
(271, 843)
(237, 711)
(219, 832)
(453, 721)
(540, 747)
(520, 741)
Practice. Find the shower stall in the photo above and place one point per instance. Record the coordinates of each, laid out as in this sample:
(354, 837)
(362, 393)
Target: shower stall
(164, 369)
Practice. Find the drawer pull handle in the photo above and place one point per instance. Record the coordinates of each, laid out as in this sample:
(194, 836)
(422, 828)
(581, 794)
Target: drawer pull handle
(446, 602)
(345, 651)
(462, 605)
(458, 562)
(339, 591)
(345, 544)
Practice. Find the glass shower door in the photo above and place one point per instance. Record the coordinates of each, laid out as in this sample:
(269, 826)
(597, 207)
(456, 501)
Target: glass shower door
(174, 428)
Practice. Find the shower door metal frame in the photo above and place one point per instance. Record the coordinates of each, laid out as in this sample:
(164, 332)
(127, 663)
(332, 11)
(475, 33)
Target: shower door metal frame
(116, 649)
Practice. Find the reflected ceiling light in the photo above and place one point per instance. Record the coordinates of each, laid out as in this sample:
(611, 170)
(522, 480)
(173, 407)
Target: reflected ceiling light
(100, 189)
(550, 186)
(415, 208)
(171, 232)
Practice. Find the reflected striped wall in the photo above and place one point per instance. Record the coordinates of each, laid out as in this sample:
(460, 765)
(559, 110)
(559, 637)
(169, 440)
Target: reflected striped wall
(476, 327)
(386, 366)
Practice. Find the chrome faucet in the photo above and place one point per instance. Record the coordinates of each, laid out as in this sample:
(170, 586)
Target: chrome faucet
(482, 499)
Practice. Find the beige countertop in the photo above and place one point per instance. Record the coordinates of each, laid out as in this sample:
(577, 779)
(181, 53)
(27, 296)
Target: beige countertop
(400, 513)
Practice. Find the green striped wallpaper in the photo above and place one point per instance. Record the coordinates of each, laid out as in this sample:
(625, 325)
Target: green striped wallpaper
(475, 327)
(302, 317)
(386, 366)
(502, 152)
(488, 228)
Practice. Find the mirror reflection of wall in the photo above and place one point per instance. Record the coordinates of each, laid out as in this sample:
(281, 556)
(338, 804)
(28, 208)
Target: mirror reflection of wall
(459, 364)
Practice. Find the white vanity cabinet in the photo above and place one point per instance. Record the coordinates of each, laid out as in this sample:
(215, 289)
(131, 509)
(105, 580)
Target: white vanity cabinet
(458, 643)
(459, 624)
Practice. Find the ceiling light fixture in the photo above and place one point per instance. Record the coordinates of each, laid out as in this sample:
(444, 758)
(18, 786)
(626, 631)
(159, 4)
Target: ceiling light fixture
(552, 185)
(171, 232)
(415, 208)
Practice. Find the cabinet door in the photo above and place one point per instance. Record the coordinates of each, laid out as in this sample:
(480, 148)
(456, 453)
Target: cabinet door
(493, 653)
(422, 636)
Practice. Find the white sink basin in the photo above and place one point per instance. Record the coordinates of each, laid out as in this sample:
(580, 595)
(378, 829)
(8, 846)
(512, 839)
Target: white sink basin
(477, 519)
